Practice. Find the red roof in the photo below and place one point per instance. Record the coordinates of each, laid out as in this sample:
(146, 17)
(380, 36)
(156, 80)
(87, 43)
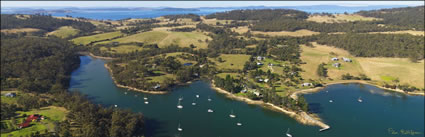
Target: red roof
(25, 124)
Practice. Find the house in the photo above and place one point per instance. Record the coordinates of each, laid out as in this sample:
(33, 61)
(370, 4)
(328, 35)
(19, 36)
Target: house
(260, 58)
(24, 125)
(244, 91)
(259, 63)
(346, 59)
(337, 65)
(10, 95)
(306, 84)
(156, 86)
(270, 64)
(260, 80)
(31, 118)
(334, 59)
(115, 43)
(258, 94)
(266, 80)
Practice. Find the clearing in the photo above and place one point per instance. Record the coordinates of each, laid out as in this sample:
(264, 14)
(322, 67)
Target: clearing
(231, 61)
(340, 18)
(64, 32)
(98, 37)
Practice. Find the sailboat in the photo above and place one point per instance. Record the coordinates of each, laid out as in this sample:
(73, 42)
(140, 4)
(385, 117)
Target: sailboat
(146, 102)
(209, 99)
(210, 110)
(239, 123)
(360, 99)
(179, 106)
(145, 98)
(331, 101)
(287, 133)
(232, 115)
(116, 105)
(125, 93)
(193, 103)
(197, 96)
(180, 98)
(179, 128)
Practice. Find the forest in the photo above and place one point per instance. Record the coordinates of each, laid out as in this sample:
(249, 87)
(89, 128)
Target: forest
(411, 17)
(42, 66)
(378, 45)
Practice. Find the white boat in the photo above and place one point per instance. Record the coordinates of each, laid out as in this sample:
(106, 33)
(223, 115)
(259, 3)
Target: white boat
(287, 133)
(210, 110)
(239, 123)
(179, 106)
(146, 102)
(116, 105)
(145, 98)
(209, 99)
(232, 115)
(331, 101)
(326, 91)
(179, 128)
(180, 98)
(125, 93)
(193, 103)
(197, 96)
(360, 99)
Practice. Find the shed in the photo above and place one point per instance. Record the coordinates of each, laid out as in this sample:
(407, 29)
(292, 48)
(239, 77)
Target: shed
(10, 95)
(346, 59)
(334, 59)
(337, 65)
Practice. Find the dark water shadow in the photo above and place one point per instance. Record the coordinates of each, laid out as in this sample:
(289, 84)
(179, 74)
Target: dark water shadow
(153, 127)
(315, 108)
(78, 83)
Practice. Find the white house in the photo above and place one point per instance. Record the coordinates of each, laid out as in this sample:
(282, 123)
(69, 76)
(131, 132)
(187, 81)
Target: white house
(259, 63)
(306, 84)
(334, 59)
(266, 80)
(156, 86)
(243, 91)
(346, 59)
(260, 58)
(258, 94)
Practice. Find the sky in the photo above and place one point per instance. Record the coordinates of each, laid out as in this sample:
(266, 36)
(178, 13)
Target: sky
(195, 4)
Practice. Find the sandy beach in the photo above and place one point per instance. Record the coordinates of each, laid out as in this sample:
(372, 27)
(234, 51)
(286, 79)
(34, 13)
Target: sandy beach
(295, 94)
(302, 117)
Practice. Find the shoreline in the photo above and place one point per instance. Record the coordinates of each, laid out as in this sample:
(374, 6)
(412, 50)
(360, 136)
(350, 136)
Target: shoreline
(100, 57)
(295, 94)
(131, 88)
(302, 117)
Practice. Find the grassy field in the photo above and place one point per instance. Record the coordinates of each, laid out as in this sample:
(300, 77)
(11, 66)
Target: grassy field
(378, 69)
(223, 75)
(19, 30)
(122, 49)
(322, 54)
(412, 32)
(298, 33)
(340, 18)
(162, 77)
(87, 39)
(52, 114)
(387, 69)
(166, 38)
(64, 32)
(231, 61)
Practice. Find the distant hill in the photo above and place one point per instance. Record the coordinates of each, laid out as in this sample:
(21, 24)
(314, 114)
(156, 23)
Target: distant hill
(177, 9)
(412, 17)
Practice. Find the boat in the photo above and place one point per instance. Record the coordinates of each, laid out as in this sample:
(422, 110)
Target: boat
(145, 98)
(197, 96)
(209, 99)
(193, 103)
(287, 133)
(360, 99)
(326, 91)
(210, 110)
(125, 93)
(239, 123)
(179, 128)
(232, 115)
(116, 105)
(331, 101)
(179, 106)
(180, 98)
(146, 102)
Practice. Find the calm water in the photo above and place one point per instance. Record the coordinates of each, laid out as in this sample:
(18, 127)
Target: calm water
(347, 117)
(122, 14)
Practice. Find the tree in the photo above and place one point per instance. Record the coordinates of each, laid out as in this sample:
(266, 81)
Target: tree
(322, 71)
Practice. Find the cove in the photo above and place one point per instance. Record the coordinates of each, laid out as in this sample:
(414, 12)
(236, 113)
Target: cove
(381, 109)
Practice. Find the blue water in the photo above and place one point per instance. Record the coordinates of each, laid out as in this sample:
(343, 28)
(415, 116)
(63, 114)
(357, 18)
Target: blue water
(379, 112)
(122, 14)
